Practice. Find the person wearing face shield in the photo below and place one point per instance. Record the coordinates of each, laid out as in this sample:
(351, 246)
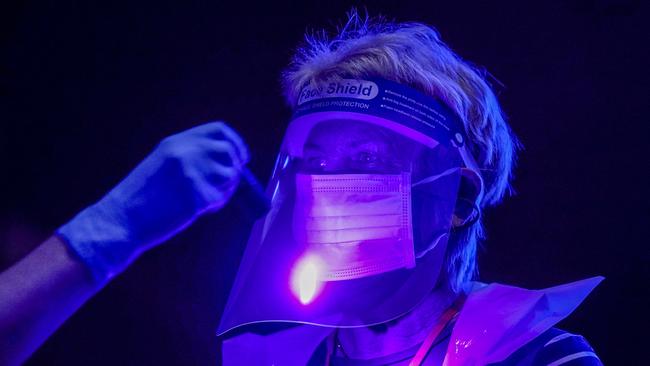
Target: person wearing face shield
(368, 254)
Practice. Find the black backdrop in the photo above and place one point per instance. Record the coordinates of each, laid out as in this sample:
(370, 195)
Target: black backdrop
(88, 88)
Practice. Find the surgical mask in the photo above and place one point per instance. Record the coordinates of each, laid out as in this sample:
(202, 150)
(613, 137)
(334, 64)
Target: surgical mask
(357, 225)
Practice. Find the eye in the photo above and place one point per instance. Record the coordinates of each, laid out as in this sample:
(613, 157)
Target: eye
(315, 163)
(366, 157)
(367, 161)
(374, 162)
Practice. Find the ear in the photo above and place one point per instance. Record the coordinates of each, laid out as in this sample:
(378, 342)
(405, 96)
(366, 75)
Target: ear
(468, 193)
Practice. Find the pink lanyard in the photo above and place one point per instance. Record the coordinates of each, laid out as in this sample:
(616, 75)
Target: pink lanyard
(449, 315)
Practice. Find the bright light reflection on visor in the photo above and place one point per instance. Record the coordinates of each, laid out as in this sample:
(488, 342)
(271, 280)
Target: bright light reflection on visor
(305, 279)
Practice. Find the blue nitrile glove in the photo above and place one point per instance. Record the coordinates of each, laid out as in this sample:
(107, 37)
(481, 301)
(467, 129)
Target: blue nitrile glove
(189, 173)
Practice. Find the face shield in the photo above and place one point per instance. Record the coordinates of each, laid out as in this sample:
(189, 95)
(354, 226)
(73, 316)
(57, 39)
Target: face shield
(362, 198)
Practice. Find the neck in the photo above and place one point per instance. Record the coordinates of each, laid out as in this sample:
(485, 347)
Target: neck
(399, 335)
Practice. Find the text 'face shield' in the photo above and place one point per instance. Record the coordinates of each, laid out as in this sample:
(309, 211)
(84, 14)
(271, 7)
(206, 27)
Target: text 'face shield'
(361, 211)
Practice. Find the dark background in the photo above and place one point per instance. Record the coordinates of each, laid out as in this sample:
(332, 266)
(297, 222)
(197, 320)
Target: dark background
(88, 88)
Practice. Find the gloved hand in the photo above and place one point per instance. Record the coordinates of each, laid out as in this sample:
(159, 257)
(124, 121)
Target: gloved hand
(187, 174)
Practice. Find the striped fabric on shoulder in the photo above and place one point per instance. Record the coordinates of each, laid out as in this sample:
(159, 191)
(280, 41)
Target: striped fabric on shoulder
(566, 349)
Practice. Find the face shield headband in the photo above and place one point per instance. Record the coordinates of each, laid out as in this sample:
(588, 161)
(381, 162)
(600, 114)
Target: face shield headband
(355, 245)
(383, 102)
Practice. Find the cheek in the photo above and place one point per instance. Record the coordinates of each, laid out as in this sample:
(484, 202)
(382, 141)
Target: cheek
(431, 217)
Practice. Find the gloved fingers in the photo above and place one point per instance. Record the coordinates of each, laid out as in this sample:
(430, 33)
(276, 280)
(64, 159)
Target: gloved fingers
(221, 131)
(217, 183)
(222, 152)
(222, 176)
(232, 136)
(217, 167)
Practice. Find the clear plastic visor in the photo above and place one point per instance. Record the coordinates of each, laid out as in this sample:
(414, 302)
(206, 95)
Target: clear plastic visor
(361, 213)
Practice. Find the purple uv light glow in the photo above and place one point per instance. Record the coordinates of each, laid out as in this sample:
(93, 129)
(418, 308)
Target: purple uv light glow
(305, 279)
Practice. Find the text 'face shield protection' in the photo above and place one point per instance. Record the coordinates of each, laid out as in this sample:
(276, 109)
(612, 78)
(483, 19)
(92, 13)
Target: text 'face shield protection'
(362, 198)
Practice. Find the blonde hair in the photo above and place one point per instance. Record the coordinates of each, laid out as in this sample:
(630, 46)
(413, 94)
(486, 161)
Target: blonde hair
(413, 54)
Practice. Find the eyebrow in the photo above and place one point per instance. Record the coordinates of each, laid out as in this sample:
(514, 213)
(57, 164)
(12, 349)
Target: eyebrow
(365, 142)
(312, 146)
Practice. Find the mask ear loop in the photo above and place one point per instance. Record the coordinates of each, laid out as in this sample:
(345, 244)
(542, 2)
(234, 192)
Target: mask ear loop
(431, 246)
(476, 216)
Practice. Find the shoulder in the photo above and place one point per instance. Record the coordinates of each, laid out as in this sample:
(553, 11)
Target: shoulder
(555, 347)
(564, 348)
